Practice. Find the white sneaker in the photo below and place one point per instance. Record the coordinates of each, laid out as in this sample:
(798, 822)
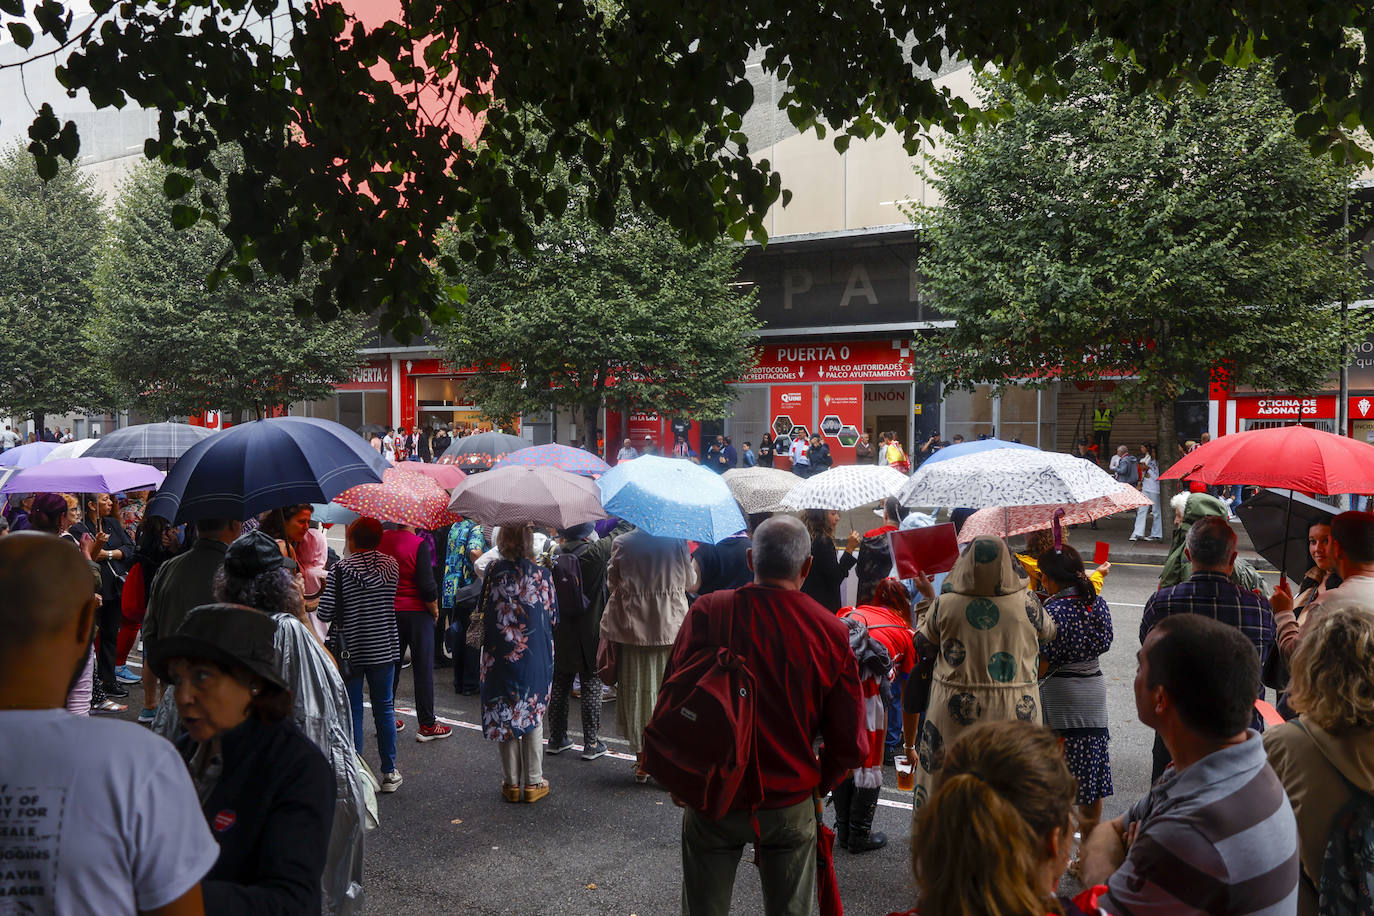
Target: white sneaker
(391, 781)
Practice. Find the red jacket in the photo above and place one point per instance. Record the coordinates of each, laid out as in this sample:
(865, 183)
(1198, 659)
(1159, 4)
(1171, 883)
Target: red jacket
(411, 552)
(808, 686)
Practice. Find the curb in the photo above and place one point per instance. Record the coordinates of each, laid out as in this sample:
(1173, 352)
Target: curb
(1157, 559)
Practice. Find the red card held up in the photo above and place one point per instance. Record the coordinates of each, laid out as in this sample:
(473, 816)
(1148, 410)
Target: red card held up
(924, 550)
(1101, 550)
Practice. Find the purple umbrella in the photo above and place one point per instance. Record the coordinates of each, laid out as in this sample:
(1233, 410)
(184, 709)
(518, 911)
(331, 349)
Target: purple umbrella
(26, 456)
(84, 475)
(564, 457)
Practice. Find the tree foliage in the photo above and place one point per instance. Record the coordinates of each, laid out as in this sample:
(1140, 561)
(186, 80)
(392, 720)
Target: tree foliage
(627, 317)
(50, 236)
(370, 138)
(1111, 234)
(173, 346)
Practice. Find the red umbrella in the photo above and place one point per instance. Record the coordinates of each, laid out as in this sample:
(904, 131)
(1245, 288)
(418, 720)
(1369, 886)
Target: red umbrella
(403, 497)
(827, 885)
(1285, 457)
(446, 475)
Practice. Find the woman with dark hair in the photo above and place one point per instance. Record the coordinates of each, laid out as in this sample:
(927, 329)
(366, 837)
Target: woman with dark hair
(827, 571)
(1074, 693)
(114, 551)
(297, 539)
(886, 621)
(155, 543)
(266, 790)
(766, 450)
(997, 834)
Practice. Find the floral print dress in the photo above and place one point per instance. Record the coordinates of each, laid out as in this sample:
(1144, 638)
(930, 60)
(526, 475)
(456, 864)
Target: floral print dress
(517, 648)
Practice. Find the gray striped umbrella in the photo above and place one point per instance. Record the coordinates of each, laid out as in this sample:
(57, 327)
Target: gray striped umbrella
(155, 444)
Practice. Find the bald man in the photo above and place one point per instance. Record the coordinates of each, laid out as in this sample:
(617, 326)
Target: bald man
(96, 815)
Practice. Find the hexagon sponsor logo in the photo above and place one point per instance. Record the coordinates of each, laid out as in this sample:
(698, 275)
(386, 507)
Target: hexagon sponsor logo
(831, 425)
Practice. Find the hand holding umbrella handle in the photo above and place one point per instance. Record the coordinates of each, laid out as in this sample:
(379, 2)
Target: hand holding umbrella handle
(1282, 598)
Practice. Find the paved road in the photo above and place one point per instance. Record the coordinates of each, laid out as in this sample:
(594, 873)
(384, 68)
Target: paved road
(600, 843)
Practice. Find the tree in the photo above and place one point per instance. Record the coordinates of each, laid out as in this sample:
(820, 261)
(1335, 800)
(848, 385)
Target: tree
(1109, 233)
(50, 235)
(407, 124)
(627, 317)
(173, 346)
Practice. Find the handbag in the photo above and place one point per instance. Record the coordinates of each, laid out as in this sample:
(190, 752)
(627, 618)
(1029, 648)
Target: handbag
(474, 638)
(336, 642)
(607, 661)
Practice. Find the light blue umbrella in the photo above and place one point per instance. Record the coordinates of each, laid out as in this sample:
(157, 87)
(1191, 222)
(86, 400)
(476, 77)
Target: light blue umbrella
(977, 445)
(332, 514)
(671, 498)
(26, 456)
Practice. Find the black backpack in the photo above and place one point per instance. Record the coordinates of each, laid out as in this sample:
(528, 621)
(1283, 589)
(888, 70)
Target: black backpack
(567, 585)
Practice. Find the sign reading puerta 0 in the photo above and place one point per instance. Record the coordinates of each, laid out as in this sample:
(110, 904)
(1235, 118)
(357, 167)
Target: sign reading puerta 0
(883, 360)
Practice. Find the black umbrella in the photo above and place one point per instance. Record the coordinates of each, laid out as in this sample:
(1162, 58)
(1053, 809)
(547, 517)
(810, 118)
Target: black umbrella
(480, 452)
(1277, 522)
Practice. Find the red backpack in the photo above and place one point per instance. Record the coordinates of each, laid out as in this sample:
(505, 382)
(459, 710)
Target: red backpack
(700, 743)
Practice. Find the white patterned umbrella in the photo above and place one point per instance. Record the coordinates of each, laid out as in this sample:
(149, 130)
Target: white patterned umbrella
(760, 489)
(845, 487)
(1007, 521)
(1007, 477)
(74, 449)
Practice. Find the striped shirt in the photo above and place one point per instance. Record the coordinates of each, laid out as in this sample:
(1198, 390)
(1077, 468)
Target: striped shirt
(360, 597)
(1218, 838)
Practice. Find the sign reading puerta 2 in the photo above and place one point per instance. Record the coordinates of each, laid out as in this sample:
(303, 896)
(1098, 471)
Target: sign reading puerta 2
(825, 382)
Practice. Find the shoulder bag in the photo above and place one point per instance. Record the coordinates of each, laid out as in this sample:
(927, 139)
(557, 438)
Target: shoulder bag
(474, 637)
(337, 643)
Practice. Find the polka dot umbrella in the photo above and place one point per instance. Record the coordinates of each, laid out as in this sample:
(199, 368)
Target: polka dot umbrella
(403, 497)
(671, 498)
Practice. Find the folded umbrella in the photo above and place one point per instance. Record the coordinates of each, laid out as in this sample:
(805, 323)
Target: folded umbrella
(526, 495)
(26, 456)
(482, 451)
(564, 457)
(156, 444)
(1007, 477)
(760, 489)
(1277, 524)
(1008, 521)
(671, 498)
(402, 497)
(845, 487)
(1282, 458)
(265, 464)
(83, 475)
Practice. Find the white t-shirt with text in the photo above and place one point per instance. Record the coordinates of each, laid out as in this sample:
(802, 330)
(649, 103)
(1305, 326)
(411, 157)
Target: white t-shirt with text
(97, 816)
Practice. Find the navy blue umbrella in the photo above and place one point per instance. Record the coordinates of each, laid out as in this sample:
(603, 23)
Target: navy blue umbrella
(265, 464)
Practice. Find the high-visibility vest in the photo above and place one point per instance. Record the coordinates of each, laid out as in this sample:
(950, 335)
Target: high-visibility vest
(1102, 421)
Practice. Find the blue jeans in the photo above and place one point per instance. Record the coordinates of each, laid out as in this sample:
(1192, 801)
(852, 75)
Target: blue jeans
(893, 701)
(379, 688)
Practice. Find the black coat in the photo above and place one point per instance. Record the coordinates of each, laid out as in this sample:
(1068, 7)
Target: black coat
(575, 639)
(112, 572)
(827, 574)
(271, 813)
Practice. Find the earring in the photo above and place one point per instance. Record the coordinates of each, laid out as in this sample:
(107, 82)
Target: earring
(254, 691)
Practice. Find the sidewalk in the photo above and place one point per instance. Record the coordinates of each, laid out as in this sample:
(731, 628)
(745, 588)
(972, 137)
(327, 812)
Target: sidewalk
(1116, 531)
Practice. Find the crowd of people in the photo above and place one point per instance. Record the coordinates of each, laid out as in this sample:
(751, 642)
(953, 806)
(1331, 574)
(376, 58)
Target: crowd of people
(256, 782)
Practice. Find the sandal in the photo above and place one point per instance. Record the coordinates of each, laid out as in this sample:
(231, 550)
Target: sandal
(536, 792)
(109, 706)
(511, 793)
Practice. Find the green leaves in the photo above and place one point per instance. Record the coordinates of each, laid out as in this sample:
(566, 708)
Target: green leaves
(21, 33)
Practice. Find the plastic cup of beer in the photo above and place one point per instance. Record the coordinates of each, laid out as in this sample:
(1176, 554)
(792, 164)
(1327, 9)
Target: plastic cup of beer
(906, 773)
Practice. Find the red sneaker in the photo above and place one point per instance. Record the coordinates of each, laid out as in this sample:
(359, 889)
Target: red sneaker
(432, 732)
(400, 725)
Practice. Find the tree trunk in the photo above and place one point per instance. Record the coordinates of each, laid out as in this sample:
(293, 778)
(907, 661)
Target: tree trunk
(1166, 453)
(38, 416)
(589, 418)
